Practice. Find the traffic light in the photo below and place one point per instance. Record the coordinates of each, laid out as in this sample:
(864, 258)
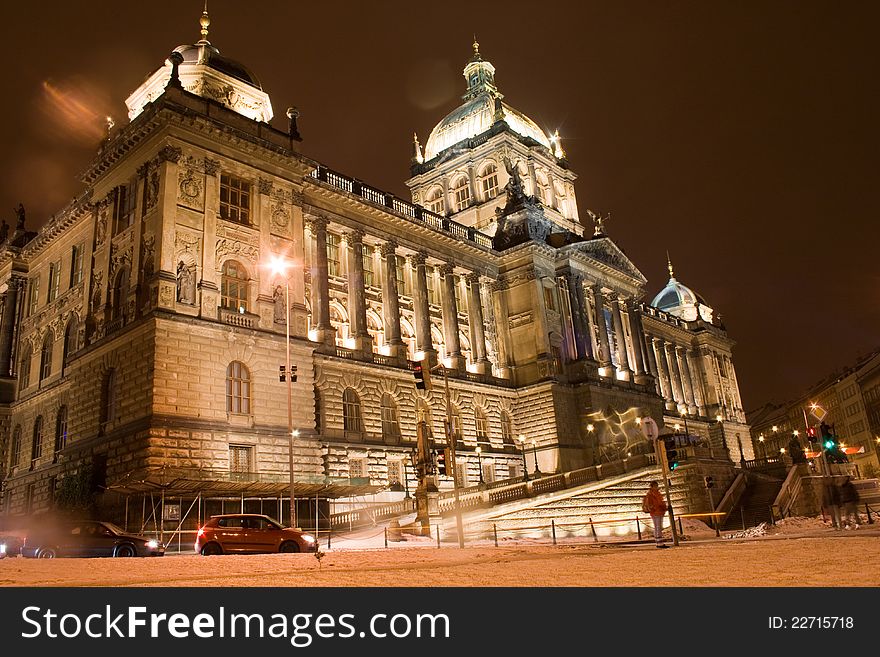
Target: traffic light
(441, 462)
(281, 373)
(831, 445)
(710, 483)
(811, 432)
(422, 375)
(671, 452)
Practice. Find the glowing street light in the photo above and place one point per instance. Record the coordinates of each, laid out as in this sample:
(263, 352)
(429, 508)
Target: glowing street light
(535, 452)
(522, 444)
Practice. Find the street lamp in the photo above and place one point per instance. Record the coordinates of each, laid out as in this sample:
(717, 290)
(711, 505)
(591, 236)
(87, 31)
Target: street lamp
(279, 267)
(479, 451)
(535, 452)
(761, 440)
(720, 421)
(522, 444)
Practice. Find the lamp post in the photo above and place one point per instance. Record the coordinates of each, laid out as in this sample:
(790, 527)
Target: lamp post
(720, 421)
(535, 453)
(761, 440)
(479, 451)
(522, 444)
(279, 268)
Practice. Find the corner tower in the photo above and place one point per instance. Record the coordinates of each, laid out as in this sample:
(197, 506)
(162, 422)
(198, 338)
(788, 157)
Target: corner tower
(462, 174)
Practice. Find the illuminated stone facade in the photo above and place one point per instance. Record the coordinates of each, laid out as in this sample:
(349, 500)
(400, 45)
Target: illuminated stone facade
(142, 328)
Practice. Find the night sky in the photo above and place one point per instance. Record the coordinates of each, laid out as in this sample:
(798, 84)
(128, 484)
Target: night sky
(740, 136)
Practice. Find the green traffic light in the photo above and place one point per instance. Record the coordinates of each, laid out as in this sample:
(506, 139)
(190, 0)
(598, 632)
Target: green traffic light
(829, 444)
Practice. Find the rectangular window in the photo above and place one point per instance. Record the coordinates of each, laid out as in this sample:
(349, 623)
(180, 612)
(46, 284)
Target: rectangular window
(123, 207)
(395, 472)
(241, 459)
(513, 471)
(401, 279)
(235, 199)
(76, 265)
(54, 281)
(459, 300)
(367, 256)
(33, 295)
(433, 295)
(490, 185)
(549, 300)
(357, 468)
(488, 473)
(461, 474)
(333, 268)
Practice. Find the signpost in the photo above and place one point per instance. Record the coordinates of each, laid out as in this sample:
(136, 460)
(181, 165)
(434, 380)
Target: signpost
(652, 433)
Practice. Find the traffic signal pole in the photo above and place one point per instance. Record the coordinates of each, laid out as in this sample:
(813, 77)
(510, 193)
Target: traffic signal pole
(660, 452)
(450, 441)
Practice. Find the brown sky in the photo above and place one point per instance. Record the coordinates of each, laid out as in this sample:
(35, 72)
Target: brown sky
(740, 136)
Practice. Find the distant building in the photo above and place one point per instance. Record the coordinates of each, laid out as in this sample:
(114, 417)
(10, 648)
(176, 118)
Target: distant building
(142, 331)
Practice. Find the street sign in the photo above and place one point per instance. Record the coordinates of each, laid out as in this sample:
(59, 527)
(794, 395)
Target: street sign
(650, 429)
(818, 412)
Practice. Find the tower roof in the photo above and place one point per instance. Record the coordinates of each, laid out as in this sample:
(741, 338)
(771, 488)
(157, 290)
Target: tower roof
(483, 106)
(681, 301)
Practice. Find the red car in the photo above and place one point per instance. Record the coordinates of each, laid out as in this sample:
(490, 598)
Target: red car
(244, 532)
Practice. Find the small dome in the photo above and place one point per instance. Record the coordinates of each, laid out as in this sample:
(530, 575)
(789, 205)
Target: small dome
(208, 55)
(681, 301)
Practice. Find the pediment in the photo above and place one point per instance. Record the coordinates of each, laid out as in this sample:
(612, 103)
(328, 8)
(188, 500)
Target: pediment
(606, 252)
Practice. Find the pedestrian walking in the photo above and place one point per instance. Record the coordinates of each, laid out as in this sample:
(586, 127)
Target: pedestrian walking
(654, 505)
(849, 499)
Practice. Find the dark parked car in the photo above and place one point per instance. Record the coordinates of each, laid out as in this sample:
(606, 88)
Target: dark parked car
(244, 532)
(10, 543)
(88, 538)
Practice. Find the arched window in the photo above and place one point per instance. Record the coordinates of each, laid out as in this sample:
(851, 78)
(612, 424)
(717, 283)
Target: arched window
(119, 293)
(37, 445)
(423, 414)
(234, 287)
(489, 182)
(462, 193)
(434, 201)
(24, 369)
(15, 451)
(390, 423)
(70, 345)
(61, 430)
(482, 424)
(351, 411)
(108, 406)
(46, 356)
(507, 428)
(238, 388)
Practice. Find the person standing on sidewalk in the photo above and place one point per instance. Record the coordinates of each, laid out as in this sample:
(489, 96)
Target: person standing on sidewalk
(654, 505)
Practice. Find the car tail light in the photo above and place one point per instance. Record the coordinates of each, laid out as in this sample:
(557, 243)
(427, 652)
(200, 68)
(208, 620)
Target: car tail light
(201, 532)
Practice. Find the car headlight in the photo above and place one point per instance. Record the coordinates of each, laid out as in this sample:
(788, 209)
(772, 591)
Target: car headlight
(152, 544)
(2, 548)
(308, 539)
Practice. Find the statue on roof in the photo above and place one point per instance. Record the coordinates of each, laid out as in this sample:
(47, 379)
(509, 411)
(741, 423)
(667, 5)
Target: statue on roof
(599, 220)
(514, 187)
(19, 211)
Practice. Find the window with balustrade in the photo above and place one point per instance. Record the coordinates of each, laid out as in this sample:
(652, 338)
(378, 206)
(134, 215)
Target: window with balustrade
(482, 425)
(234, 286)
(238, 389)
(235, 199)
(434, 201)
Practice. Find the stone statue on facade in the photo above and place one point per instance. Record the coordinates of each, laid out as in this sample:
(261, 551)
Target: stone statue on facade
(280, 311)
(19, 211)
(4, 231)
(186, 283)
(514, 187)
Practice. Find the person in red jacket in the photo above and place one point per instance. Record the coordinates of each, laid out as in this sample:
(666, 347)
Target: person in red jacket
(654, 504)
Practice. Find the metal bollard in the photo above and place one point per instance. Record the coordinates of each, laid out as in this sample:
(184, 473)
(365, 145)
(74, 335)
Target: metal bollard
(868, 511)
(680, 529)
(742, 515)
(438, 537)
(386, 537)
(715, 525)
(772, 516)
(495, 532)
(553, 529)
(329, 534)
(593, 529)
(639, 528)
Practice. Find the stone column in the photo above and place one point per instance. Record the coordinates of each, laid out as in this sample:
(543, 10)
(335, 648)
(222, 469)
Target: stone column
(320, 283)
(450, 318)
(578, 315)
(622, 353)
(502, 318)
(420, 303)
(584, 306)
(697, 381)
(652, 363)
(675, 373)
(391, 301)
(475, 323)
(665, 378)
(533, 178)
(604, 348)
(357, 303)
(635, 329)
(552, 195)
(7, 324)
(472, 182)
(686, 379)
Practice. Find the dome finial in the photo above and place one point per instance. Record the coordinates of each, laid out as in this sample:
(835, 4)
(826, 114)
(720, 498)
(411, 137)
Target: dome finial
(204, 22)
(669, 265)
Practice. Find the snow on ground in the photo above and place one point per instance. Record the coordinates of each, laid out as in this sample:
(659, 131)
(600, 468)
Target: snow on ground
(701, 560)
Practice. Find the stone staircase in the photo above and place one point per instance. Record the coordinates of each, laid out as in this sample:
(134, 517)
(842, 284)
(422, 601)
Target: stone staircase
(753, 507)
